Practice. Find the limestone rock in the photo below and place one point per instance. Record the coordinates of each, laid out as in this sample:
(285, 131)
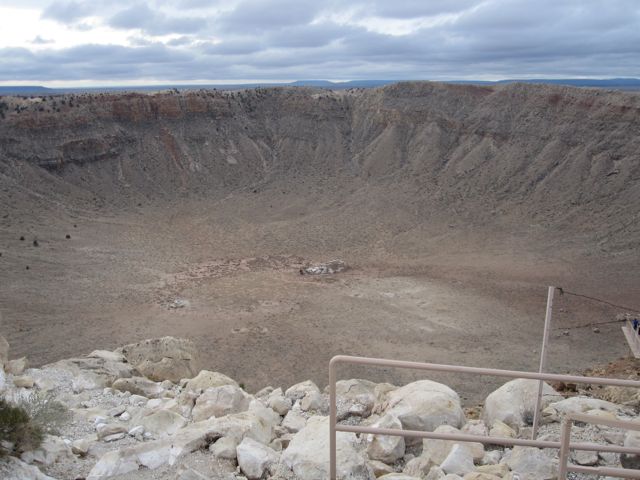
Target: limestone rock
(24, 381)
(438, 450)
(501, 430)
(419, 466)
(308, 453)
(358, 396)
(380, 468)
(105, 430)
(294, 421)
(12, 468)
(514, 402)
(398, 476)
(81, 446)
(313, 401)
(480, 476)
(459, 461)
(163, 423)
(255, 458)
(206, 379)
(139, 386)
(17, 366)
(220, 401)
(386, 448)
(299, 390)
(195, 436)
(166, 358)
(224, 447)
(52, 449)
(278, 402)
(108, 356)
(425, 405)
(91, 373)
(631, 439)
(531, 461)
(582, 404)
(499, 469)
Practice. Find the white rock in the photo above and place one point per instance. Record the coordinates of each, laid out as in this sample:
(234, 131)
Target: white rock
(114, 438)
(438, 450)
(105, 430)
(419, 466)
(492, 457)
(107, 355)
(531, 461)
(255, 458)
(52, 449)
(139, 386)
(224, 447)
(386, 448)
(459, 461)
(294, 421)
(425, 405)
(279, 403)
(135, 431)
(163, 423)
(313, 401)
(380, 468)
(206, 379)
(501, 430)
(299, 390)
(358, 396)
(81, 446)
(125, 416)
(398, 476)
(220, 401)
(581, 404)
(154, 454)
(138, 400)
(308, 453)
(17, 366)
(24, 381)
(514, 402)
(166, 358)
(12, 468)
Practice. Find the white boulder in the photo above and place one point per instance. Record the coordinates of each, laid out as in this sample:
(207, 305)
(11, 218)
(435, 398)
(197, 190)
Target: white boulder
(254, 458)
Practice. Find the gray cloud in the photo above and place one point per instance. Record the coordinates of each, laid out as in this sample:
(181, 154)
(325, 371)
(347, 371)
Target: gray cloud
(67, 11)
(153, 22)
(294, 39)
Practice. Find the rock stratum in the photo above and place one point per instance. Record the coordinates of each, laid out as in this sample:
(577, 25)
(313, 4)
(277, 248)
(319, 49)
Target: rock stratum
(121, 424)
(562, 157)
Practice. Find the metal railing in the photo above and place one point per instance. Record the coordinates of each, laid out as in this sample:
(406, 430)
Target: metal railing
(565, 446)
(334, 427)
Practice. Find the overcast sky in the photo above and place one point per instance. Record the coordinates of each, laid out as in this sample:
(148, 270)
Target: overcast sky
(108, 42)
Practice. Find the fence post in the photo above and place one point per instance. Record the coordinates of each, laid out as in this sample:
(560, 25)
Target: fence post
(543, 360)
(332, 419)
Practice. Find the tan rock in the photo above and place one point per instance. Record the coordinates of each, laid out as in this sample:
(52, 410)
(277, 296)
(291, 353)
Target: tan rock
(24, 381)
(206, 379)
(17, 366)
(166, 358)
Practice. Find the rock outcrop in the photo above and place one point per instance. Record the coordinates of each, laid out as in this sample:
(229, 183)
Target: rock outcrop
(122, 426)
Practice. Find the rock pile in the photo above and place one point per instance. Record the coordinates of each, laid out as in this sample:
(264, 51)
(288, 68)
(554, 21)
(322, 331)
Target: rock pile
(145, 411)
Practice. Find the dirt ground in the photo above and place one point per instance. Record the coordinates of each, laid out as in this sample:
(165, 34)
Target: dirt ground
(465, 297)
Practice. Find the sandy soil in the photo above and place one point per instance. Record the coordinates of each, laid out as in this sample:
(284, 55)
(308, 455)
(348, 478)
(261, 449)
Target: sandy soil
(255, 318)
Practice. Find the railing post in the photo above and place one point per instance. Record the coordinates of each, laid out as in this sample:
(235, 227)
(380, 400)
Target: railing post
(565, 437)
(332, 419)
(543, 360)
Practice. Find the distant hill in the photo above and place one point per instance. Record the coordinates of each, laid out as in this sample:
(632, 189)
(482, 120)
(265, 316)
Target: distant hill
(608, 83)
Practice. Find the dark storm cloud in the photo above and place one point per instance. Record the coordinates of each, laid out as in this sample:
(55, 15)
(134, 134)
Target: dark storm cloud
(154, 22)
(347, 39)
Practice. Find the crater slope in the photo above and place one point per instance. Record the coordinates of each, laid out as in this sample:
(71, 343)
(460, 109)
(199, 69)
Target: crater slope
(454, 205)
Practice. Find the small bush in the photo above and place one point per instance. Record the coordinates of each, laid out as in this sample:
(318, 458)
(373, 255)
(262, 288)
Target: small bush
(18, 431)
(46, 412)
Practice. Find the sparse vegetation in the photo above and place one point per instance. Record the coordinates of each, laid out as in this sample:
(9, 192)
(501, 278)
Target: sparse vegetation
(18, 430)
(3, 108)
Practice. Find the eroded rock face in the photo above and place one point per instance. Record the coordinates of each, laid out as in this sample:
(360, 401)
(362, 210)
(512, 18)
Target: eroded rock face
(166, 358)
(308, 454)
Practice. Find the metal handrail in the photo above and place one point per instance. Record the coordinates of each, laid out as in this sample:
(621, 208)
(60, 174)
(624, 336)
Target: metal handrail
(334, 427)
(565, 438)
